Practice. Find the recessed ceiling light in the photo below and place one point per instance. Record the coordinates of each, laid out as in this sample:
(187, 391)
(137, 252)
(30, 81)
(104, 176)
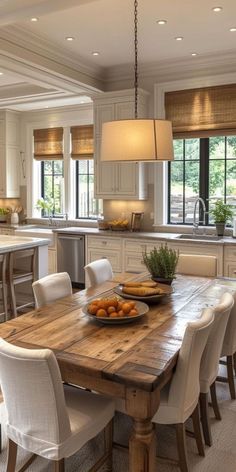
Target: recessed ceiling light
(232, 30)
(34, 19)
(95, 53)
(194, 54)
(1, 73)
(161, 22)
(69, 38)
(179, 38)
(82, 102)
(217, 9)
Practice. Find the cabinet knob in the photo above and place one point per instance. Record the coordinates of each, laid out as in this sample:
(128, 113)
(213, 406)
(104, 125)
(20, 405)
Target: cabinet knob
(104, 242)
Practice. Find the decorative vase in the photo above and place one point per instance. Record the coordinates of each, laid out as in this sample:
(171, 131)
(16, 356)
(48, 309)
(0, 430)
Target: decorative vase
(14, 218)
(160, 280)
(220, 229)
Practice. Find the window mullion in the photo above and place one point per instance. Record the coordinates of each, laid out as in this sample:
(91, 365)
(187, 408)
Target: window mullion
(204, 175)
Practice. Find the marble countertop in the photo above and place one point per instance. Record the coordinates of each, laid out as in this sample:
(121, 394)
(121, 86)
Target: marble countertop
(15, 243)
(145, 235)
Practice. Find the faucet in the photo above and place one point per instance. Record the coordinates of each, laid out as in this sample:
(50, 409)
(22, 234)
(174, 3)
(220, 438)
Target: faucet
(195, 222)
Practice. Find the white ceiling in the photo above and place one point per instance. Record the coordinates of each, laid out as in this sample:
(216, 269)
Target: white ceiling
(107, 26)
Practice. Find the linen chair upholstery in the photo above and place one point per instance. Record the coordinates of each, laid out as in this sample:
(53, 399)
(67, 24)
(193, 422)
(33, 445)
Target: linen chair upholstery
(180, 397)
(205, 266)
(51, 288)
(98, 271)
(210, 362)
(229, 351)
(41, 418)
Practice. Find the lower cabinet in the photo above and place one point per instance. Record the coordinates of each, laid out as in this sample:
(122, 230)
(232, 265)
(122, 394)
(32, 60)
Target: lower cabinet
(230, 261)
(105, 248)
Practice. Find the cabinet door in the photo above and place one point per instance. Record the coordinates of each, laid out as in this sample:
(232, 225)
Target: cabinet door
(52, 261)
(126, 177)
(3, 171)
(13, 172)
(102, 114)
(230, 269)
(105, 175)
(113, 257)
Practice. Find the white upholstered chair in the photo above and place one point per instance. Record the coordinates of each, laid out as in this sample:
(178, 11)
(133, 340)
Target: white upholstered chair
(98, 271)
(194, 264)
(229, 351)
(210, 363)
(51, 288)
(44, 417)
(179, 398)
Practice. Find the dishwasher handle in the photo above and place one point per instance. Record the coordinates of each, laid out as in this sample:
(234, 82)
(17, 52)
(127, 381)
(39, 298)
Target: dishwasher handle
(78, 238)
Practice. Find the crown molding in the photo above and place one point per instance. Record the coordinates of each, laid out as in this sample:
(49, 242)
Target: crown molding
(176, 68)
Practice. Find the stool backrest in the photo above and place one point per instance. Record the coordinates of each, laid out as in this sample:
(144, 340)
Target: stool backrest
(51, 288)
(212, 352)
(98, 271)
(193, 264)
(33, 394)
(185, 388)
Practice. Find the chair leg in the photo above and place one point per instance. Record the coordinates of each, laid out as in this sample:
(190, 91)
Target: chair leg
(214, 400)
(59, 466)
(230, 374)
(181, 446)
(234, 356)
(12, 454)
(198, 431)
(108, 441)
(205, 418)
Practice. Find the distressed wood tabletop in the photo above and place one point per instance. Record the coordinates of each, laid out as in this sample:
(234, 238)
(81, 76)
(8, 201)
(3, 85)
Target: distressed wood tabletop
(130, 362)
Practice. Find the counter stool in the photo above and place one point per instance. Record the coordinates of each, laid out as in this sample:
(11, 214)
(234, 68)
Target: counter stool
(19, 275)
(3, 282)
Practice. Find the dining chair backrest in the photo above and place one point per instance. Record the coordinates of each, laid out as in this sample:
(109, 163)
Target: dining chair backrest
(98, 271)
(184, 388)
(51, 288)
(194, 264)
(33, 394)
(212, 352)
(229, 343)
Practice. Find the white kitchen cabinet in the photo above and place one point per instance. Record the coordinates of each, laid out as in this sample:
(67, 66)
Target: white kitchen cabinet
(126, 181)
(7, 231)
(105, 248)
(9, 155)
(52, 260)
(230, 261)
(133, 253)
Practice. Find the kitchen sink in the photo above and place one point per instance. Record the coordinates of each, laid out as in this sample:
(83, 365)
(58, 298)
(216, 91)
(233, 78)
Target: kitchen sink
(199, 237)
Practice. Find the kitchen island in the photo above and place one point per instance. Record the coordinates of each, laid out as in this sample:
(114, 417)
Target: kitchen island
(15, 243)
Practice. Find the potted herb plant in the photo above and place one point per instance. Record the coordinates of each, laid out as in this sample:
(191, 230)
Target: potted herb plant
(161, 263)
(221, 213)
(3, 214)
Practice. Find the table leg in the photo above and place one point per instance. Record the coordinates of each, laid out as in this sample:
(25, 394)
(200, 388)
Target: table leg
(142, 446)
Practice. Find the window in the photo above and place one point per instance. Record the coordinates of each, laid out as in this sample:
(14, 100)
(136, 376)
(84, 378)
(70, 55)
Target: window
(52, 179)
(203, 167)
(86, 205)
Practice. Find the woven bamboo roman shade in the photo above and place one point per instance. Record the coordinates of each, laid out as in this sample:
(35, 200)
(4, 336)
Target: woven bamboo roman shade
(48, 144)
(82, 142)
(202, 112)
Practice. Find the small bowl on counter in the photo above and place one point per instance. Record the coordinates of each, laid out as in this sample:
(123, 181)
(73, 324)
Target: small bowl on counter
(103, 225)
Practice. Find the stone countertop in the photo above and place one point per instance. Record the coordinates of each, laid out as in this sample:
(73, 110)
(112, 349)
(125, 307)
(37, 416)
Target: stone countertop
(144, 235)
(15, 243)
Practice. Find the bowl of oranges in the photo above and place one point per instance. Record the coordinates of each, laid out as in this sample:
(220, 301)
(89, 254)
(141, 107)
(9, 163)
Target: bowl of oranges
(115, 310)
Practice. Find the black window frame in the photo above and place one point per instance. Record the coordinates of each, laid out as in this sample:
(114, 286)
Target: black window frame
(204, 172)
(53, 175)
(77, 174)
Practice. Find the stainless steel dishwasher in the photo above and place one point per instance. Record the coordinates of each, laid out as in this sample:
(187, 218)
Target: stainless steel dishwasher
(70, 257)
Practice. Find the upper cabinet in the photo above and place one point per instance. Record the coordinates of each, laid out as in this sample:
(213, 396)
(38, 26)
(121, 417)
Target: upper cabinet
(126, 181)
(9, 155)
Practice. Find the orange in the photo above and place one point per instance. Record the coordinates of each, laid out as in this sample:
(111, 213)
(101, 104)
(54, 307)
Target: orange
(119, 305)
(133, 312)
(101, 313)
(121, 313)
(114, 314)
(132, 304)
(95, 302)
(111, 309)
(102, 304)
(126, 308)
(92, 309)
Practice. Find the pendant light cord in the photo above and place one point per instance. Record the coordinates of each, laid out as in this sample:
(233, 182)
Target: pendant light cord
(136, 58)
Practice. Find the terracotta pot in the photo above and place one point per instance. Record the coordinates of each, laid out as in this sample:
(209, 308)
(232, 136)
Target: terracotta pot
(220, 229)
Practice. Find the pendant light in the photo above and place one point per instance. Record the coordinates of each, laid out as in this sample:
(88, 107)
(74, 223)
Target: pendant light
(138, 139)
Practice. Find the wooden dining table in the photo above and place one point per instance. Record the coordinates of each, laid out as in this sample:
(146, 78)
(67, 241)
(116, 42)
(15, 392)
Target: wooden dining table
(130, 362)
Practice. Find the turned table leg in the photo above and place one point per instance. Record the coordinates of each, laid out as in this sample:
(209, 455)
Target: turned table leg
(142, 446)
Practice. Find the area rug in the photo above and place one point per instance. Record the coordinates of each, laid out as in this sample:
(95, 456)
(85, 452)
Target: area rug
(221, 457)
